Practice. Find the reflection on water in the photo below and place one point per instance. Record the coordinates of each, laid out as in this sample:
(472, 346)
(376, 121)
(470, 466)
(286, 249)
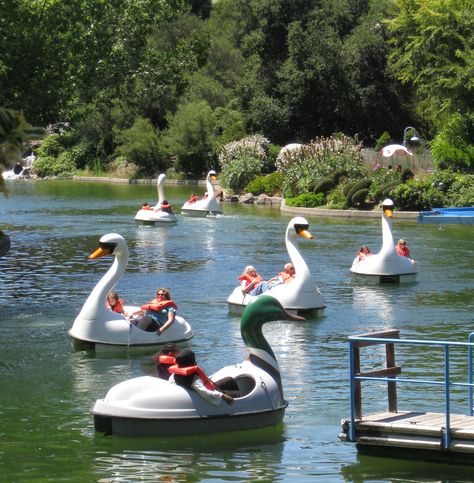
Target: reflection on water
(46, 277)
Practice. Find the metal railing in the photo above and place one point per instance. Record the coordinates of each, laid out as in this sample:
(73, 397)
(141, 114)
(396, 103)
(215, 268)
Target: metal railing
(390, 374)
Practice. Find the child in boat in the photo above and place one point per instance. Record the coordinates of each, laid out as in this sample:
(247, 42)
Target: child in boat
(115, 303)
(165, 359)
(157, 315)
(166, 207)
(402, 249)
(187, 374)
(193, 198)
(363, 252)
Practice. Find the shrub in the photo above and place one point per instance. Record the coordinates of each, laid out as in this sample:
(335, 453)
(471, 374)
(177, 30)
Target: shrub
(461, 192)
(238, 174)
(323, 157)
(382, 141)
(353, 194)
(51, 147)
(61, 166)
(335, 199)
(139, 145)
(269, 184)
(417, 195)
(255, 146)
(306, 200)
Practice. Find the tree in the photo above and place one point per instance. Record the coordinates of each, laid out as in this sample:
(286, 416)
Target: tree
(433, 48)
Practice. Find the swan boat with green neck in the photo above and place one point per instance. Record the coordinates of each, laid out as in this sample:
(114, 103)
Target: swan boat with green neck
(149, 406)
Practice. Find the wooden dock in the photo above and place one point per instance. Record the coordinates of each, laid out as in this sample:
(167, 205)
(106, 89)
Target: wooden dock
(412, 435)
(428, 436)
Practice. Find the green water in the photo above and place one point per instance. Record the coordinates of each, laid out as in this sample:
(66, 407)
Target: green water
(47, 389)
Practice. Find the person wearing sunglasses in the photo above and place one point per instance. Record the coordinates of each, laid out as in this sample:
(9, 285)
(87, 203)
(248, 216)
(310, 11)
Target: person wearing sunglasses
(156, 315)
(251, 282)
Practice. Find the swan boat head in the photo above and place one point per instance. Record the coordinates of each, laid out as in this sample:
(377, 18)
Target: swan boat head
(154, 214)
(301, 294)
(386, 265)
(149, 406)
(96, 325)
(206, 206)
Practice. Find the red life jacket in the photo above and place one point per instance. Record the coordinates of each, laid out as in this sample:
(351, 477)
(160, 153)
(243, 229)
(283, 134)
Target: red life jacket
(118, 307)
(249, 279)
(190, 371)
(164, 359)
(157, 305)
(286, 277)
(165, 206)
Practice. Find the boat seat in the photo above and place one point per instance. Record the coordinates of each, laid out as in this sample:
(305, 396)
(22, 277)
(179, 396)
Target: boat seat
(246, 384)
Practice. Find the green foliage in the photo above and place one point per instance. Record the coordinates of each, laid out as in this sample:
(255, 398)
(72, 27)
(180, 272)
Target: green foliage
(51, 146)
(418, 195)
(406, 175)
(382, 141)
(190, 138)
(461, 192)
(324, 157)
(269, 184)
(61, 166)
(335, 199)
(140, 146)
(354, 195)
(324, 185)
(453, 146)
(236, 175)
(306, 200)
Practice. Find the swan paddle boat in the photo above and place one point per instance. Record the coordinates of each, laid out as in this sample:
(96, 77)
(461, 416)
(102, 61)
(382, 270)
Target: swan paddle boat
(205, 206)
(386, 265)
(149, 406)
(98, 327)
(301, 295)
(155, 214)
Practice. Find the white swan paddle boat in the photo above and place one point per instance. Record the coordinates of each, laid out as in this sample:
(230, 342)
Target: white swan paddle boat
(205, 206)
(301, 295)
(149, 406)
(98, 327)
(386, 265)
(154, 214)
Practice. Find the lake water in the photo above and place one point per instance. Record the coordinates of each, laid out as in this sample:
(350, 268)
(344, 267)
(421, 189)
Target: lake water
(47, 389)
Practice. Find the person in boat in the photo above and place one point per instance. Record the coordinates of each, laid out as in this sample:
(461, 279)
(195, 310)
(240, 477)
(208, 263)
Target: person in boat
(286, 276)
(188, 374)
(251, 282)
(402, 249)
(115, 303)
(146, 206)
(166, 207)
(204, 196)
(363, 252)
(156, 315)
(165, 359)
(193, 198)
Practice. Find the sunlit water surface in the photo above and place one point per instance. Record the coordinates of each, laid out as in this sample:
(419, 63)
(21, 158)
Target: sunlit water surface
(47, 389)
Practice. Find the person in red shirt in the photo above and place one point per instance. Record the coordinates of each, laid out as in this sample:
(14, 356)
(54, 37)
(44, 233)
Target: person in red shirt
(402, 248)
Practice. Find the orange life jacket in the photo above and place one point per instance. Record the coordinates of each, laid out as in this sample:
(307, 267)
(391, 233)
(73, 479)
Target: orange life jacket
(286, 277)
(118, 307)
(190, 371)
(249, 279)
(157, 305)
(164, 359)
(165, 206)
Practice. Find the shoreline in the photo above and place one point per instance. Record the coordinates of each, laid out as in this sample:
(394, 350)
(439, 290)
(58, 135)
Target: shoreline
(314, 212)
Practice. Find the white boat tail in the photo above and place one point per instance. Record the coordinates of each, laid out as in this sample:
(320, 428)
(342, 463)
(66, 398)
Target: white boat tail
(207, 206)
(155, 214)
(301, 295)
(149, 406)
(96, 326)
(386, 266)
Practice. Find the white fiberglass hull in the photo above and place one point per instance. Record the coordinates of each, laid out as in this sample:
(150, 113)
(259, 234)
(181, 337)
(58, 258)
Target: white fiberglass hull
(149, 406)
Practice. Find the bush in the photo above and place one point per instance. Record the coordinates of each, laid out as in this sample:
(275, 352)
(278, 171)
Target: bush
(269, 184)
(306, 200)
(382, 141)
(353, 197)
(453, 146)
(238, 174)
(418, 195)
(335, 199)
(62, 166)
(139, 145)
(461, 192)
(51, 147)
(321, 158)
